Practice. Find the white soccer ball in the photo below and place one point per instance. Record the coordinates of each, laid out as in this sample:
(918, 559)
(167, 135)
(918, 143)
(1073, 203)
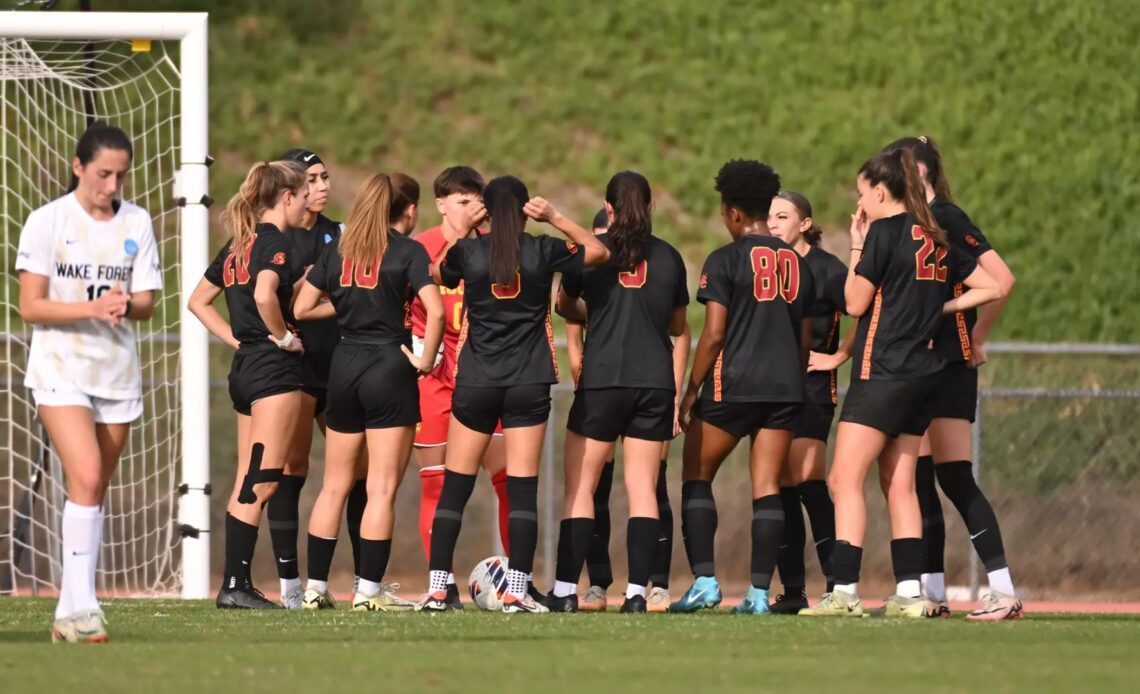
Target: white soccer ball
(488, 583)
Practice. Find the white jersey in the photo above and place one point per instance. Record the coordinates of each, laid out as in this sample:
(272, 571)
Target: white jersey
(83, 257)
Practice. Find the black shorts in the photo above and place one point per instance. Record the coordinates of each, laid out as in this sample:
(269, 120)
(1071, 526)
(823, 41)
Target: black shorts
(604, 414)
(372, 387)
(815, 421)
(892, 407)
(956, 395)
(481, 407)
(315, 366)
(746, 418)
(259, 372)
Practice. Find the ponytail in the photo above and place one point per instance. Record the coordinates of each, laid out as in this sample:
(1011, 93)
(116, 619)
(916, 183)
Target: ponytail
(261, 190)
(898, 172)
(504, 198)
(803, 206)
(405, 193)
(926, 152)
(629, 195)
(365, 236)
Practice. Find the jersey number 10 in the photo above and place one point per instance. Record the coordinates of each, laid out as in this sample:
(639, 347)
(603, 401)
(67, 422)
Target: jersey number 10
(775, 273)
(365, 276)
(923, 268)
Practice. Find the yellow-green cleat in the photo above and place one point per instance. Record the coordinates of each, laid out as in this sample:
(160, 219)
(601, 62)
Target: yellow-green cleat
(384, 601)
(898, 607)
(88, 626)
(317, 600)
(837, 603)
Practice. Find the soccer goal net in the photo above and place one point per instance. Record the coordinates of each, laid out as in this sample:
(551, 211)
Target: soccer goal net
(55, 79)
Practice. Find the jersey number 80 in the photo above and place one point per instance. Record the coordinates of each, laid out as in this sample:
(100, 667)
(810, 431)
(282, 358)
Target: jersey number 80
(775, 273)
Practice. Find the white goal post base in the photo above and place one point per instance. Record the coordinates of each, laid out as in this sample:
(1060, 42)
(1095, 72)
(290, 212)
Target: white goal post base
(190, 30)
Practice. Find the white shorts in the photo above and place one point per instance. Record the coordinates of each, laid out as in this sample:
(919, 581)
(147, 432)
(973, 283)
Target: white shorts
(103, 410)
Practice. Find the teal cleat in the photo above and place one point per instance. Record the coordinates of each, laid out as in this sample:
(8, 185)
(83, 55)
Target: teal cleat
(705, 594)
(755, 602)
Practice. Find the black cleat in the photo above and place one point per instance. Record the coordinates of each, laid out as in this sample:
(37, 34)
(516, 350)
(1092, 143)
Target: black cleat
(245, 597)
(535, 594)
(556, 604)
(790, 603)
(452, 601)
(634, 605)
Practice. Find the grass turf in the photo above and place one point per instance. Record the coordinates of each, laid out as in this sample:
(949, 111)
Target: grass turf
(176, 646)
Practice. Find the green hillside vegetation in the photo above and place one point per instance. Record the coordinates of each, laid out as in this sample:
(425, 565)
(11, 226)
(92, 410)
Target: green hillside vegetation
(1036, 105)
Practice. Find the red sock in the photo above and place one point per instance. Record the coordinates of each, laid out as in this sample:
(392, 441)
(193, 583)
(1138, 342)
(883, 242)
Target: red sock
(431, 486)
(499, 481)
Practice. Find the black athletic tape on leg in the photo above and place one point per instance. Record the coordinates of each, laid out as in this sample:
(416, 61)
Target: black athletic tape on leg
(256, 475)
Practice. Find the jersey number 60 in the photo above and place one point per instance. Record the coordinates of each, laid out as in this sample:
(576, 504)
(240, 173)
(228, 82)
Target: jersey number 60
(775, 273)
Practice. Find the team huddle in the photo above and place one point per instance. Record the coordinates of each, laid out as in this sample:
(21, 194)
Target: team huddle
(438, 346)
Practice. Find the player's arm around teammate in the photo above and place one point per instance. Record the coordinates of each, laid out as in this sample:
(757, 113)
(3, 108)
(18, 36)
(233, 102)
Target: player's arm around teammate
(88, 267)
(900, 272)
(254, 272)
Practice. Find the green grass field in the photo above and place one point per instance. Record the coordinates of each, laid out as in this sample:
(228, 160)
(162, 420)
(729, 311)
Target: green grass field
(189, 646)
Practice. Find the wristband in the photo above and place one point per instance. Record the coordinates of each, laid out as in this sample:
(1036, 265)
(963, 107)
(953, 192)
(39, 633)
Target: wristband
(285, 341)
(127, 313)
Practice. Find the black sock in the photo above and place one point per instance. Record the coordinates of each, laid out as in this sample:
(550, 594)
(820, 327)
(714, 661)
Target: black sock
(848, 560)
(933, 523)
(663, 557)
(574, 537)
(598, 558)
(957, 480)
(320, 557)
(374, 556)
(522, 529)
(698, 524)
(907, 558)
(241, 540)
(790, 558)
(448, 520)
(821, 515)
(641, 546)
(354, 511)
(767, 533)
(283, 513)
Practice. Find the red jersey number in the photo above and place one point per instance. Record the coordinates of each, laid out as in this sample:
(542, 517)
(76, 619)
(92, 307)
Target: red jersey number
(365, 276)
(634, 279)
(924, 269)
(775, 273)
(235, 270)
(507, 291)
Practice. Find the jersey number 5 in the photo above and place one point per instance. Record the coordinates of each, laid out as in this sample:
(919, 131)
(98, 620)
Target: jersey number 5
(634, 279)
(923, 268)
(775, 272)
(234, 270)
(362, 275)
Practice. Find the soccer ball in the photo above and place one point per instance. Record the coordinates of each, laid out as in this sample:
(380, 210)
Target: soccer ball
(488, 583)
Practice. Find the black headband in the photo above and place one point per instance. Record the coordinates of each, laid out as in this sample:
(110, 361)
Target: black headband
(304, 156)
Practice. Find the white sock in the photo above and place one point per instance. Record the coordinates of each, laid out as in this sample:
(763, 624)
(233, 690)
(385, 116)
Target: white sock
(909, 589)
(368, 589)
(80, 555)
(450, 579)
(98, 547)
(934, 586)
(849, 588)
(1001, 581)
(288, 584)
(563, 589)
(516, 583)
(319, 586)
(632, 590)
(437, 581)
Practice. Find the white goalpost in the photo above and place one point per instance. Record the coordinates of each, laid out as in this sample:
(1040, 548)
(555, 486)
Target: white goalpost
(146, 73)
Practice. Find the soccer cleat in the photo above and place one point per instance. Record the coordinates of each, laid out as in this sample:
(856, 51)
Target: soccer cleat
(755, 602)
(790, 603)
(433, 602)
(244, 598)
(526, 604)
(704, 594)
(384, 601)
(534, 593)
(835, 604)
(568, 603)
(936, 610)
(453, 601)
(658, 600)
(634, 605)
(294, 599)
(88, 626)
(897, 606)
(594, 600)
(997, 606)
(316, 600)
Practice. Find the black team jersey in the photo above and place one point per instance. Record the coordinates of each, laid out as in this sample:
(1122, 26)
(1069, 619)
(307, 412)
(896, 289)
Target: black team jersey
(373, 302)
(914, 278)
(767, 289)
(237, 276)
(506, 338)
(627, 343)
(953, 340)
(317, 335)
(830, 274)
